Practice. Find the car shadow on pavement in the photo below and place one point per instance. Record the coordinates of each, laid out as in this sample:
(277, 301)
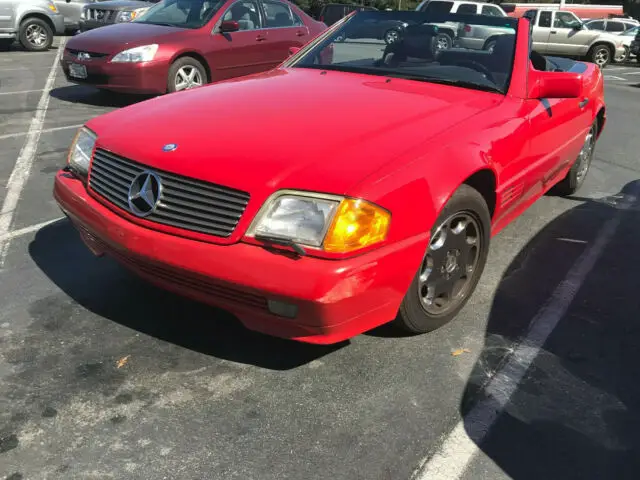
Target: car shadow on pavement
(89, 95)
(105, 288)
(576, 413)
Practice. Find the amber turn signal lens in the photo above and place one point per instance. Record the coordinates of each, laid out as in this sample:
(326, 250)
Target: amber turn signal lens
(357, 224)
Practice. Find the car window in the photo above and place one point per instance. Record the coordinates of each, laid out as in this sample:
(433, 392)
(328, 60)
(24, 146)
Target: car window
(279, 15)
(565, 20)
(596, 25)
(181, 13)
(491, 10)
(545, 20)
(631, 32)
(467, 8)
(415, 54)
(613, 26)
(245, 12)
(437, 7)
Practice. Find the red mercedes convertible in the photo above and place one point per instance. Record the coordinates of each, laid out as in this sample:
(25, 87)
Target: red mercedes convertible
(358, 183)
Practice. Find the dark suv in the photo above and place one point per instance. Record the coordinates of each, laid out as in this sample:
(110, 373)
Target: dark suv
(332, 12)
(634, 48)
(109, 12)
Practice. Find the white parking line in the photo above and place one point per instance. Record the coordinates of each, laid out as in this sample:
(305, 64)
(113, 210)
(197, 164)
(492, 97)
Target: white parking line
(633, 73)
(24, 68)
(21, 91)
(612, 77)
(44, 130)
(459, 448)
(29, 229)
(21, 169)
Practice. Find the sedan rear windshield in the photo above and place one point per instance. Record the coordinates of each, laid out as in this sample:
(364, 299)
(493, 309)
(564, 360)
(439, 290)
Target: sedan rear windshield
(470, 51)
(181, 13)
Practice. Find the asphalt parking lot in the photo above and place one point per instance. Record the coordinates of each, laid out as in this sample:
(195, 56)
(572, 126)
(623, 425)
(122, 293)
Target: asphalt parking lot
(105, 377)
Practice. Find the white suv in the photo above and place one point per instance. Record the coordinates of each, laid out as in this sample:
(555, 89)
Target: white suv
(451, 33)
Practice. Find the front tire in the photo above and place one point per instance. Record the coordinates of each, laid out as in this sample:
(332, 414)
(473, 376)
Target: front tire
(452, 265)
(601, 55)
(186, 73)
(391, 36)
(574, 179)
(443, 41)
(35, 35)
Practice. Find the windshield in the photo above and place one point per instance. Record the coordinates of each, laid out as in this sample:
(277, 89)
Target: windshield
(181, 13)
(471, 51)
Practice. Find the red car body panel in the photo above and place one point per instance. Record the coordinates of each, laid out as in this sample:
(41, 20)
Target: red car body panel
(404, 145)
(225, 56)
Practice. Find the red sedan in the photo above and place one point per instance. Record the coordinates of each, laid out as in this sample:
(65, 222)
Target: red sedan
(338, 192)
(182, 44)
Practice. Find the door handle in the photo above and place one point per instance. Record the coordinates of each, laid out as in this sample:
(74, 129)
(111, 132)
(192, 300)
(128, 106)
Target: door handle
(584, 102)
(261, 38)
(553, 32)
(300, 34)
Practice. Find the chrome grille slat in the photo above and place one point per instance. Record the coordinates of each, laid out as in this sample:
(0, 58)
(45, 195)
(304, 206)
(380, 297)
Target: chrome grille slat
(185, 203)
(198, 211)
(114, 179)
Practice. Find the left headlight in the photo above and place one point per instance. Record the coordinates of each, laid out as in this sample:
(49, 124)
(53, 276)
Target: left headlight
(129, 15)
(81, 150)
(145, 53)
(332, 223)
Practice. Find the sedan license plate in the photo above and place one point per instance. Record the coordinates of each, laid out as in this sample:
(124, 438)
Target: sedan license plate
(77, 71)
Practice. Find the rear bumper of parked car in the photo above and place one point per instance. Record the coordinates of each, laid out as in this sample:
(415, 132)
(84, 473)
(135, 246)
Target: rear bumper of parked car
(142, 78)
(334, 300)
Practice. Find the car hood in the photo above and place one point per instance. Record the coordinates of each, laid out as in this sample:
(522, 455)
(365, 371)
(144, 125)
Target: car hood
(117, 37)
(293, 128)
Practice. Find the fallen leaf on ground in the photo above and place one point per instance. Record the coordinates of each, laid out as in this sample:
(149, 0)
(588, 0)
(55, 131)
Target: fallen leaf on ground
(460, 351)
(123, 361)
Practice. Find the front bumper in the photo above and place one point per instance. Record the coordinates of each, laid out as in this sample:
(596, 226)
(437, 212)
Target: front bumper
(335, 300)
(58, 24)
(86, 25)
(139, 78)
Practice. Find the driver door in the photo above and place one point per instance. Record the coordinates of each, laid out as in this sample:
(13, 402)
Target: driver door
(568, 36)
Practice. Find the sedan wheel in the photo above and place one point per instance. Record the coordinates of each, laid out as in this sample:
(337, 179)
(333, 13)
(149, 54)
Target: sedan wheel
(186, 73)
(391, 36)
(576, 176)
(35, 35)
(452, 265)
(624, 57)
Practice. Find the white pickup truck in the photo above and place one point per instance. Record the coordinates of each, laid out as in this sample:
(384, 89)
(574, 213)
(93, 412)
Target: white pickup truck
(562, 33)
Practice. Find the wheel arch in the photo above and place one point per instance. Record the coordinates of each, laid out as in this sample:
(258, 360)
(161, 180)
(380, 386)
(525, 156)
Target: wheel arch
(484, 181)
(490, 39)
(601, 117)
(39, 16)
(196, 56)
(598, 43)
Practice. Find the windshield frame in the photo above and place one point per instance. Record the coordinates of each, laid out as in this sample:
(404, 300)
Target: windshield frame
(326, 38)
(163, 3)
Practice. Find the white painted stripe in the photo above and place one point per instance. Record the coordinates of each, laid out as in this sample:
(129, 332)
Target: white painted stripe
(616, 69)
(22, 168)
(458, 449)
(20, 92)
(44, 130)
(612, 77)
(29, 229)
(633, 73)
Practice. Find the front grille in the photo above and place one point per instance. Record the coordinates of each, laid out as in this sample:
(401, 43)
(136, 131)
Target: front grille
(75, 53)
(188, 280)
(101, 15)
(184, 203)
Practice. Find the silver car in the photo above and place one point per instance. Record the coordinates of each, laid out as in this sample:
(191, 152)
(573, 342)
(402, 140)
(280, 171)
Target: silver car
(32, 22)
(72, 12)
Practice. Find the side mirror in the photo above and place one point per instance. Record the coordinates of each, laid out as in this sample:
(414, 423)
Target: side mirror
(229, 26)
(293, 50)
(554, 84)
(578, 26)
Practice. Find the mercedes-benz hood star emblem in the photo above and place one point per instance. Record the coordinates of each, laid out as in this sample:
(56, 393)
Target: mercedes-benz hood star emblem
(144, 193)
